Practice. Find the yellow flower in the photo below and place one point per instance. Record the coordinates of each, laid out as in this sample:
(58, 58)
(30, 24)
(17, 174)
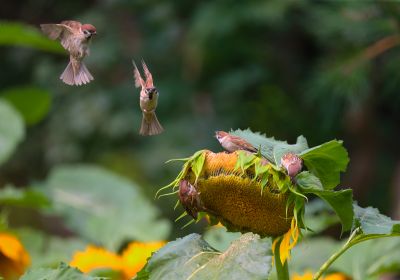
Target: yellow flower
(94, 258)
(288, 241)
(134, 257)
(132, 260)
(308, 275)
(337, 276)
(14, 259)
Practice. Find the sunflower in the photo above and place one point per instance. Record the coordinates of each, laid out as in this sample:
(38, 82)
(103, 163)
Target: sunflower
(131, 261)
(242, 191)
(14, 259)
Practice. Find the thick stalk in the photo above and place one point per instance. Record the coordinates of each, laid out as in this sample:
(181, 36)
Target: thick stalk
(282, 271)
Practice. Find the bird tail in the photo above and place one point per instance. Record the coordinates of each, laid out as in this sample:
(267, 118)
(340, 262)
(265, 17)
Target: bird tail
(150, 124)
(76, 73)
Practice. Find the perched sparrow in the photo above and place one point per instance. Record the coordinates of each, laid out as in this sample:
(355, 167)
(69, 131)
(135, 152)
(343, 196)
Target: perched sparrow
(292, 163)
(190, 198)
(74, 37)
(233, 143)
(148, 102)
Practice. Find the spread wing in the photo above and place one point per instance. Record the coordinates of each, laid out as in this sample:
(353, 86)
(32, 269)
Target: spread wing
(138, 79)
(65, 32)
(149, 77)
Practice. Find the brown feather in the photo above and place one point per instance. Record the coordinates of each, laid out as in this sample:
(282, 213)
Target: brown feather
(139, 82)
(149, 77)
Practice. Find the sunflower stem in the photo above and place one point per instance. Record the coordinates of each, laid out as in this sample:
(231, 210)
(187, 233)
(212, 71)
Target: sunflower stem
(336, 255)
(282, 271)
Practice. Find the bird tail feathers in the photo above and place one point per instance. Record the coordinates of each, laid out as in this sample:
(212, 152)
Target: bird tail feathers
(150, 124)
(76, 73)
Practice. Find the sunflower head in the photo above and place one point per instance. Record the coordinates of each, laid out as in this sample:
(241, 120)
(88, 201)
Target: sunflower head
(241, 190)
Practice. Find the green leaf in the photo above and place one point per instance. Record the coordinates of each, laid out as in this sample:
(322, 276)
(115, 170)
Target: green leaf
(197, 163)
(271, 149)
(191, 257)
(33, 103)
(326, 161)
(103, 207)
(18, 34)
(340, 201)
(370, 259)
(319, 216)
(12, 130)
(245, 160)
(219, 238)
(63, 272)
(47, 250)
(23, 197)
(372, 222)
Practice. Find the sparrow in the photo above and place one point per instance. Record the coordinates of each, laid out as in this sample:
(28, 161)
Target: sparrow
(189, 197)
(233, 143)
(292, 164)
(75, 38)
(148, 102)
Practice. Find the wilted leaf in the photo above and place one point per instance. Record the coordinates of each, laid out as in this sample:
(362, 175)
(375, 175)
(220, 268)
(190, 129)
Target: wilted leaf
(249, 257)
(12, 130)
(326, 161)
(340, 201)
(18, 34)
(32, 103)
(271, 149)
(22, 197)
(63, 272)
(103, 207)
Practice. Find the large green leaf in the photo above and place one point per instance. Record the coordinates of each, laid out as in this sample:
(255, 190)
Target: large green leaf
(33, 103)
(12, 130)
(249, 257)
(319, 216)
(370, 259)
(46, 250)
(271, 149)
(372, 222)
(22, 197)
(63, 272)
(103, 207)
(340, 201)
(219, 238)
(18, 34)
(326, 161)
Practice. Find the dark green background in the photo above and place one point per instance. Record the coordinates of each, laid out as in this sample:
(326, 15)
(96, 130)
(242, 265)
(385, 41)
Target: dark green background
(281, 67)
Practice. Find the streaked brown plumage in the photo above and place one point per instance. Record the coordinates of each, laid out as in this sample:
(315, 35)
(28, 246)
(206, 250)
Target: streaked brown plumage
(74, 37)
(233, 143)
(148, 102)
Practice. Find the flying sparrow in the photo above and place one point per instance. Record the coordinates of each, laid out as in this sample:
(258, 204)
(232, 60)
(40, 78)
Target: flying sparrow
(148, 102)
(233, 143)
(75, 38)
(292, 163)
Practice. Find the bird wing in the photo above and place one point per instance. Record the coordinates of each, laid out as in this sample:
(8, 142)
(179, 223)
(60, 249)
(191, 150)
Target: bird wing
(149, 77)
(54, 31)
(246, 145)
(69, 37)
(138, 79)
(64, 32)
